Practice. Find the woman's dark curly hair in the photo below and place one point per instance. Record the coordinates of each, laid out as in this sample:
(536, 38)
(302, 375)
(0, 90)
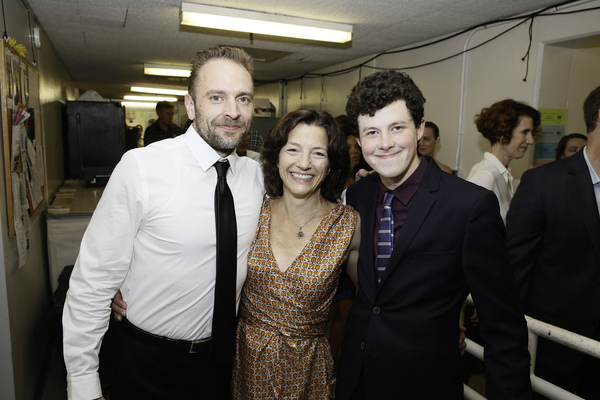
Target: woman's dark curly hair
(381, 89)
(497, 122)
(337, 152)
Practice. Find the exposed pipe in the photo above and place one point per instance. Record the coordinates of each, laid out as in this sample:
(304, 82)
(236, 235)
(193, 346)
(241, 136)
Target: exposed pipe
(462, 101)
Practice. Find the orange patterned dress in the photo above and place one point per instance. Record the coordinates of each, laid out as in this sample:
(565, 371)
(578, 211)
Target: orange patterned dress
(282, 351)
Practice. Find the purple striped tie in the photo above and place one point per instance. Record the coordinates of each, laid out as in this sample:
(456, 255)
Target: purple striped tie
(385, 237)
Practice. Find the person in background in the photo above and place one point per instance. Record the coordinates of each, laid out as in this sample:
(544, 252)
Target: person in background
(242, 150)
(428, 143)
(553, 241)
(139, 135)
(511, 127)
(130, 139)
(570, 144)
(163, 128)
(152, 236)
(353, 147)
(305, 236)
(256, 141)
(428, 238)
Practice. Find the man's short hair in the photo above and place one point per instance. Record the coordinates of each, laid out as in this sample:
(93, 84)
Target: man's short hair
(163, 105)
(224, 53)
(591, 106)
(381, 89)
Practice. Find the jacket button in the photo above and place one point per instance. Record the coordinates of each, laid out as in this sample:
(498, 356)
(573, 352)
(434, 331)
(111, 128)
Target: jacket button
(362, 345)
(376, 310)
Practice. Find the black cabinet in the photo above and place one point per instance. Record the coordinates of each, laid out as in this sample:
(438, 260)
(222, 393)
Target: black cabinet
(94, 140)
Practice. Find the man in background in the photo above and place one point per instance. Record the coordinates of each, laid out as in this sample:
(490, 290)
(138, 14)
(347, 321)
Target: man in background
(553, 240)
(163, 128)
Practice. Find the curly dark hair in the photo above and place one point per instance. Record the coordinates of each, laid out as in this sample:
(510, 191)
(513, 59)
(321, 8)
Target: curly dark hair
(337, 152)
(562, 144)
(381, 89)
(591, 106)
(497, 122)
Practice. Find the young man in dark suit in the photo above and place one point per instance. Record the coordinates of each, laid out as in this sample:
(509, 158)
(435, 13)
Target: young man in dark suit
(446, 239)
(553, 240)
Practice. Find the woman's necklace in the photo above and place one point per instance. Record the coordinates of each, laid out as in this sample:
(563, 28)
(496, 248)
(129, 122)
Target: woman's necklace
(300, 233)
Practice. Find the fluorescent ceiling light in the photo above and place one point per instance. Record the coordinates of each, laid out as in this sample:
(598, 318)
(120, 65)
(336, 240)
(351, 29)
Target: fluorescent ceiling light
(149, 98)
(268, 24)
(167, 70)
(172, 92)
(138, 104)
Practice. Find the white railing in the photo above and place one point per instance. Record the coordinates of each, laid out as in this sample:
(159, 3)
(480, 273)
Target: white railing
(537, 329)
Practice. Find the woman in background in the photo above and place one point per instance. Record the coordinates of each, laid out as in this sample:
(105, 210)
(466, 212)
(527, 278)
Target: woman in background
(570, 145)
(511, 127)
(355, 153)
(428, 143)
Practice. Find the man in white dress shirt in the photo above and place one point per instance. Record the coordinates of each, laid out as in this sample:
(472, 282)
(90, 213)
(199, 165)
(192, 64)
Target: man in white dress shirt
(153, 236)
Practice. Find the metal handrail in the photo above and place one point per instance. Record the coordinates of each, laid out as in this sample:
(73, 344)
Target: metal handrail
(538, 329)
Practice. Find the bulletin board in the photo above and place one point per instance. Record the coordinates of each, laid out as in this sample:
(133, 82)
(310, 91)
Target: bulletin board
(22, 142)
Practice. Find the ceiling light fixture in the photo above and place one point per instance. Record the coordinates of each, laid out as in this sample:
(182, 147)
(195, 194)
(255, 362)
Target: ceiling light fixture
(262, 23)
(149, 98)
(138, 104)
(172, 92)
(167, 70)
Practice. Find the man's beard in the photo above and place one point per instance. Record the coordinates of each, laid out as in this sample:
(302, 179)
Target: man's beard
(225, 142)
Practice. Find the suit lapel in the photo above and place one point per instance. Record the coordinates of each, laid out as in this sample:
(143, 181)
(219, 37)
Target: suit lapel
(366, 196)
(419, 209)
(583, 197)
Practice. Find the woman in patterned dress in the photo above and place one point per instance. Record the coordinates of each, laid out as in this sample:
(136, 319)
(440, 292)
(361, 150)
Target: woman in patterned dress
(304, 238)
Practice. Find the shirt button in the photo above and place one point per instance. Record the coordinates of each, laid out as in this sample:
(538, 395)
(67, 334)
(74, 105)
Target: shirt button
(376, 310)
(362, 345)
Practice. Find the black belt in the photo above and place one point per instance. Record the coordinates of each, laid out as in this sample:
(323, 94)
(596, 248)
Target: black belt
(185, 346)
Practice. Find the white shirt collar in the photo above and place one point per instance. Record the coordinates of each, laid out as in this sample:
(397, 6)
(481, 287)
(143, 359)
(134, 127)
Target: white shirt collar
(504, 171)
(593, 174)
(205, 155)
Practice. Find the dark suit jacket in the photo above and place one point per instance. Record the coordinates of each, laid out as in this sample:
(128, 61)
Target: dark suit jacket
(553, 240)
(404, 331)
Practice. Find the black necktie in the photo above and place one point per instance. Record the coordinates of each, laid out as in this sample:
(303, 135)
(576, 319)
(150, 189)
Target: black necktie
(222, 348)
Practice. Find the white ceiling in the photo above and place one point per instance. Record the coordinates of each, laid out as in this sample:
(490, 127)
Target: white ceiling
(104, 43)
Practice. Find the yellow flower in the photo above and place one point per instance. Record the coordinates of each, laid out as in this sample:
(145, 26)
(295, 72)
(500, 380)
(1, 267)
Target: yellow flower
(19, 48)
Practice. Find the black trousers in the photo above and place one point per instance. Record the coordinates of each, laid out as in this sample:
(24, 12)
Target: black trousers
(146, 367)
